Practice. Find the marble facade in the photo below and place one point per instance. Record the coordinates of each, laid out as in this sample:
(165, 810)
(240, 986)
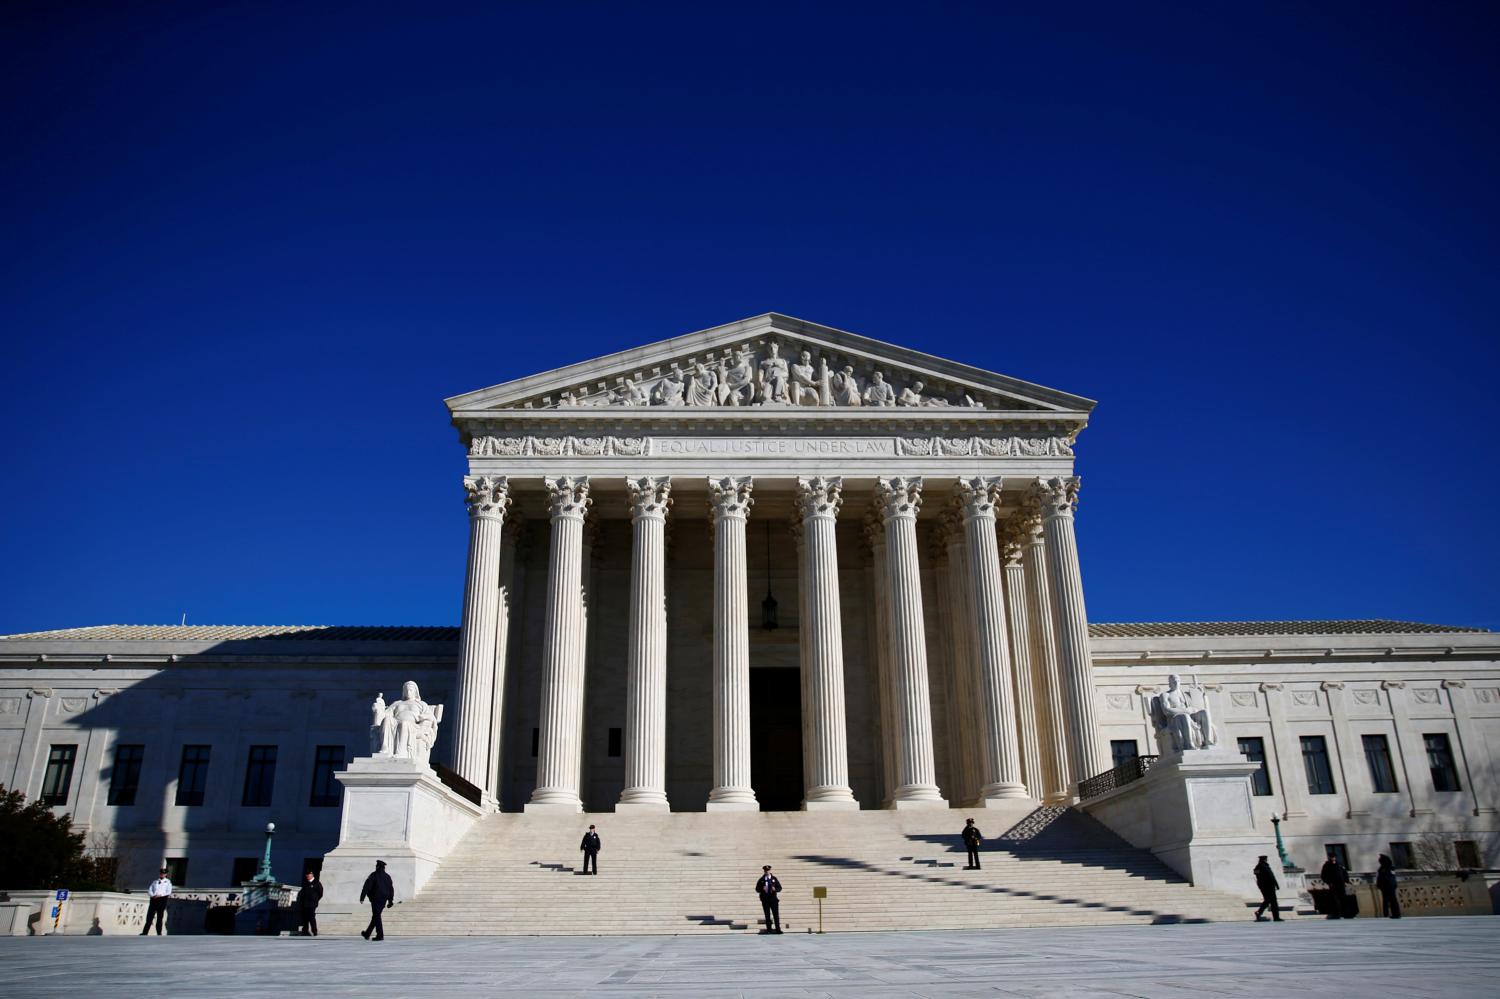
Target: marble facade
(628, 519)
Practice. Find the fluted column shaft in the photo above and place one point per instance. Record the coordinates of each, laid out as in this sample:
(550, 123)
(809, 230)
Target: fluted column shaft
(916, 772)
(646, 653)
(818, 502)
(961, 638)
(730, 499)
(880, 630)
(1086, 753)
(504, 602)
(1044, 668)
(1001, 754)
(1017, 627)
(559, 748)
(487, 499)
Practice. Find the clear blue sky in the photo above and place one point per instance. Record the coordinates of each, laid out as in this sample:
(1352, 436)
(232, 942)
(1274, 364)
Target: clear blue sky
(248, 249)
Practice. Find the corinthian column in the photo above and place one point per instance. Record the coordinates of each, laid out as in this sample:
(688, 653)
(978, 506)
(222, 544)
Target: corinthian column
(487, 499)
(955, 597)
(880, 646)
(1001, 754)
(1052, 730)
(730, 499)
(1027, 724)
(1086, 755)
(559, 748)
(818, 502)
(916, 777)
(646, 663)
(505, 601)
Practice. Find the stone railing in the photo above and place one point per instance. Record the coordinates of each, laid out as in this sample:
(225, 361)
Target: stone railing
(1131, 770)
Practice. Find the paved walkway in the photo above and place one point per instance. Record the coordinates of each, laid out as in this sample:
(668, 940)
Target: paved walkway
(1368, 958)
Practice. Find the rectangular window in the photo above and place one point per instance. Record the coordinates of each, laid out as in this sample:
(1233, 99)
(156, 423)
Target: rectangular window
(192, 776)
(325, 790)
(1440, 759)
(176, 871)
(1468, 854)
(1401, 856)
(243, 870)
(614, 742)
(1254, 750)
(1315, 761)
(59, 776)
(125, 775)
(260, 777)
(1122, 751)
(536, 740)
(1340, 852)
(1378, 756)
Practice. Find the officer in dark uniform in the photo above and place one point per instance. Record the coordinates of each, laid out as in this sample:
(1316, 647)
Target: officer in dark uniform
(382, 895)
(972, 839)
(590, 848)
(769, 890)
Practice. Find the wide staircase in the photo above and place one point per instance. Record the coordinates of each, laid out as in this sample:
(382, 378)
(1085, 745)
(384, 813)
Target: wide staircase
(694, 872)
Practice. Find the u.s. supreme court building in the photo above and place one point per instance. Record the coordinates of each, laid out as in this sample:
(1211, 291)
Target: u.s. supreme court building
(765, 567)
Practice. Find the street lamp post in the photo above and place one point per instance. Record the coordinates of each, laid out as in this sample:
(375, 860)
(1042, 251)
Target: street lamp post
(1286, 862)
(264, 874)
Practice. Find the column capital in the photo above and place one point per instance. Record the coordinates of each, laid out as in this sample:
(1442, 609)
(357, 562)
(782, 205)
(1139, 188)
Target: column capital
(979, 495)
(1057, 497)
(1014, 533)
(872, 529)
(730, 496)
(819, 497)
(568, 496)
(899, 497)
(486, 495)
(650, 496)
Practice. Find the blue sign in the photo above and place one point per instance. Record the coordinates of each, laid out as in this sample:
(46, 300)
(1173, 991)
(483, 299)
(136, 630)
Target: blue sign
(62, 894)
(56, 911)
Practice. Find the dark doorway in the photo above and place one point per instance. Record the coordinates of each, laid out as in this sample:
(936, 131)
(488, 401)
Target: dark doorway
(776, 738)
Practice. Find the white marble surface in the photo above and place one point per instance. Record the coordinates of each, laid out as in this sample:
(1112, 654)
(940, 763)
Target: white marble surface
(1373, 959)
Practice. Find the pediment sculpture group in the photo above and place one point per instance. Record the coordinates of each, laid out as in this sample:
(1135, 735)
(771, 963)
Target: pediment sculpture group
(739, 380)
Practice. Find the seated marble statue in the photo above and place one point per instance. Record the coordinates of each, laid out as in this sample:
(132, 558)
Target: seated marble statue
(1182, 718)
(406, 729)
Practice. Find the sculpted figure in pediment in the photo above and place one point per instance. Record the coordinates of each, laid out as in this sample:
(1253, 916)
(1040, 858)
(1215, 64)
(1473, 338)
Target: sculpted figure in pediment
(845, 388)
(670, 390)
(737, 380)
(634, 394)
(806, 386)
(880, 392)
(703, 389)
(774, 376)
(911, 395)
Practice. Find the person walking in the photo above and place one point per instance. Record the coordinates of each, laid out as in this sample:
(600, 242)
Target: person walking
(1266, 881)
(972, 839)
(382, 895)
(590, 848)
(156, 906)
(769, 890)
(1336, 878)
(1385, 880)
(308, 897)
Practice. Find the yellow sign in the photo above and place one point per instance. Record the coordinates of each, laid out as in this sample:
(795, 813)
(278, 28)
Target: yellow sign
(820, 892)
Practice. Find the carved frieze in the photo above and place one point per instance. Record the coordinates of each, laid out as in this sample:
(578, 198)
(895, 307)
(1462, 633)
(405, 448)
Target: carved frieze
(984, 447)
(559, 447)
(769, 373)
(610, 446)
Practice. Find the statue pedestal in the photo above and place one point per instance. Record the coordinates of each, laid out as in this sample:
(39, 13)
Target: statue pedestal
(397, 811)
(1193, 811)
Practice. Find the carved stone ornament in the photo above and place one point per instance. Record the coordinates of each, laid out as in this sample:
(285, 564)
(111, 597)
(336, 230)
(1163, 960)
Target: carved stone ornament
(984, 447)
(819, 497)
(560, 447)
(1058, 497)
(486, 495)
(1013, 535)
(899, 496)
(10, 705)
(872, 529)
(1117, 702)
(1426, 695)
(979, 496)
(1182, 719)
(730, 496)
(1305, 698)
(764, 373)
(568, 496)
(649, 496)
(405, 729)
(1367, 697)
(1487, 695)
(1243, 698)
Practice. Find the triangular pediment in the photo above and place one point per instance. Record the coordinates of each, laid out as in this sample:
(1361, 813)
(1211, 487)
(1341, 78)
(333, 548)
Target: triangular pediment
(768, 362)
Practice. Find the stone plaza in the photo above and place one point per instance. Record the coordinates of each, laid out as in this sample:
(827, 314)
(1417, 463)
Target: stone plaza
(769, 567)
